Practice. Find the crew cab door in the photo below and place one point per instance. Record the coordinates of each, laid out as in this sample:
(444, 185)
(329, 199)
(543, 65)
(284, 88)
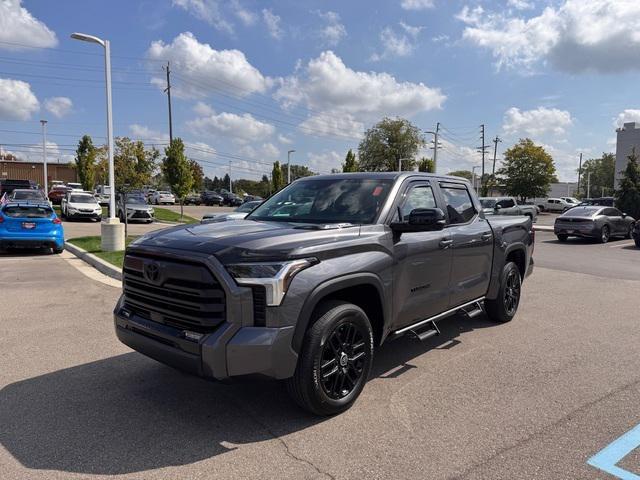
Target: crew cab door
(472, 244)
(422, 261)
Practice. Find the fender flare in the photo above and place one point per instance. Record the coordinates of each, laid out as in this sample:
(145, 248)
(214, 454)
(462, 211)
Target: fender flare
(326, 288)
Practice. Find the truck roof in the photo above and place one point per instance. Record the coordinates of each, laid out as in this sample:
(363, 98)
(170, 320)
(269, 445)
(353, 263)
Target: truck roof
(385, 175)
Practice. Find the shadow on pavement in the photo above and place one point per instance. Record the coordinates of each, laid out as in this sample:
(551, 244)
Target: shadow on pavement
(25, 252)
(129, 414)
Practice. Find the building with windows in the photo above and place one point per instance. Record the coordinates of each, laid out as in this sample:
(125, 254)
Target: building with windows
(628, 138)
(34, 171)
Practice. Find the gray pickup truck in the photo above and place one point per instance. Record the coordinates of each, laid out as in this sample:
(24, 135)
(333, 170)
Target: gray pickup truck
(314, 279)
(507, 206)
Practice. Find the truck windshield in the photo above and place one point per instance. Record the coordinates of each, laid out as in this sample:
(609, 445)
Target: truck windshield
(326, 200)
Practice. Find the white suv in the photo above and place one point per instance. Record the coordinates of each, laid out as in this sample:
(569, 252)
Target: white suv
(557, 205)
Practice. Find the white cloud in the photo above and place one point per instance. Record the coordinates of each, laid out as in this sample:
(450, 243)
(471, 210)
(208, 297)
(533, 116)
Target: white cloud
(416, 4)
(575, 36)
(536, 122)
(142, 132)
(18, 26)
(397, 44)
(202, 109)
(267, 151)
(284, 140)
(272, 21)
(333, 31)
(197, 62)
(243, 128)
(33, 153)
(327, 85)
(337, 124)
(626, 116)
(247, 17)
(17, 100)
(206, 10)
(324, 162)
(58, 106)
(520, 4)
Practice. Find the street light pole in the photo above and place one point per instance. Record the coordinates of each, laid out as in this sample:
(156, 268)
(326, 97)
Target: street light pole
(289, 166)
(112, 232)
(44, 157)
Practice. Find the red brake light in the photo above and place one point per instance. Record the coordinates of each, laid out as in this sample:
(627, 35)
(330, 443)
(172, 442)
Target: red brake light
(57, 221)
(1, 218)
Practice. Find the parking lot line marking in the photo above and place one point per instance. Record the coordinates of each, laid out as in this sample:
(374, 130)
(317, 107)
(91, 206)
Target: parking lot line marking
(622, 245)
(607, 458)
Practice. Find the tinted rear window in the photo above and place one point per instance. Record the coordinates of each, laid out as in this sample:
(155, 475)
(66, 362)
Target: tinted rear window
(582, 212)
(27, 211)
(27, 195)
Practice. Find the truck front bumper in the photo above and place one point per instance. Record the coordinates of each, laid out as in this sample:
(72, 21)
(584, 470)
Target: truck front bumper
(231, 350)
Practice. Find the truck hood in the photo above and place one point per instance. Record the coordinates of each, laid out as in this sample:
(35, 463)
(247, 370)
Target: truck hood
(248, 240)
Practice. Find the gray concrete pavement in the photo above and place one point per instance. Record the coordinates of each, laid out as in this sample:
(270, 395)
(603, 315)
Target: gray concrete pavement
(534, 398)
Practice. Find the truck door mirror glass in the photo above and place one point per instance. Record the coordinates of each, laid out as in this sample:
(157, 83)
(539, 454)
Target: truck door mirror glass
(421, 220)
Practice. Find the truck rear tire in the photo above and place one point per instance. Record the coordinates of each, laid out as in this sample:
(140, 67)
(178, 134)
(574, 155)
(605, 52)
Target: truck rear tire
(503, 308)
(335, 359)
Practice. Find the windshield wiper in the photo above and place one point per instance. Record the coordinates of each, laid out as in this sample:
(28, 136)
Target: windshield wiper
(323, 226)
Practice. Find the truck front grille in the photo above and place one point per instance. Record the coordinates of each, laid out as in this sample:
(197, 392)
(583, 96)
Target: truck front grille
(182, 295)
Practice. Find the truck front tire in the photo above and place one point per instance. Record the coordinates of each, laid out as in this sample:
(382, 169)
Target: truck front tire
(335, 359)
(503, 308)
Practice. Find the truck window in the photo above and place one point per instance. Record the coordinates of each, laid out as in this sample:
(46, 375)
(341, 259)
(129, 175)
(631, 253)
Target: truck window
(418, 196)
(459, 205)
(507, 203)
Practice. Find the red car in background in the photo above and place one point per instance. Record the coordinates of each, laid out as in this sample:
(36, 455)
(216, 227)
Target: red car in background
(57, 193)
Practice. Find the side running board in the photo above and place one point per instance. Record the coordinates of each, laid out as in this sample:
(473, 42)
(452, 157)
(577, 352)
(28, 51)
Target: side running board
(470, 309)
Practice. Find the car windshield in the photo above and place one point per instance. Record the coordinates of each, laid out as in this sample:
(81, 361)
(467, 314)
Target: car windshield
(247, 207)
(581, 212)
(136, 201)
(82, 199)
(23, 211)
(27, 195)
(488, 202)
(326, 200)
(164, 193)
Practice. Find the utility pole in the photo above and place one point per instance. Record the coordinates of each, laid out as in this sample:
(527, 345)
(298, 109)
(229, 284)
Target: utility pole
(579, 172)
(168, 91)
(589, 185)
(399, 164)
(495, 153)
(44, 156)
(482, 149)
(230, 186)
(435, 148)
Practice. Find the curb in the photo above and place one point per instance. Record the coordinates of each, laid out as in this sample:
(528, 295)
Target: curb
(543, 228)
(97, 263)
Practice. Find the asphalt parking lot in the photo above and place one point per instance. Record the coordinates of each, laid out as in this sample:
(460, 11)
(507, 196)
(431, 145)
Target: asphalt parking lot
(535, 398)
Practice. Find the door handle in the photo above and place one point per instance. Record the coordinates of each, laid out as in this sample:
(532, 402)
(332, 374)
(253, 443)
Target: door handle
(445, 243)
(486, 236)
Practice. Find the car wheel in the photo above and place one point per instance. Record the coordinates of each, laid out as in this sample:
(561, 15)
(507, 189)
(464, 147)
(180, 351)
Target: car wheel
(503, 308)
(335, 360)
(605, 234)
(630, 232)
(563, 238)
(637, 242)
(57, 251)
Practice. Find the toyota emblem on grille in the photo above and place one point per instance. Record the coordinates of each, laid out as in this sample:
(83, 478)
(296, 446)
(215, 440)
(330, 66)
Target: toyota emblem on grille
(151, 271)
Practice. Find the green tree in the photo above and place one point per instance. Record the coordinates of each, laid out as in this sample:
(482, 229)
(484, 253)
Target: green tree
(277, 180)
(462, 173)
(197, 173)
(297, 171)
(527, 170)
(177, 172)
(86, 155)
(350, 163)
(426, 165)
(134, 164)
(388, 143)
(628, 193)
(600, 171)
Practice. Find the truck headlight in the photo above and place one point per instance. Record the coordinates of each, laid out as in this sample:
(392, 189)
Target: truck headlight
(275, 277)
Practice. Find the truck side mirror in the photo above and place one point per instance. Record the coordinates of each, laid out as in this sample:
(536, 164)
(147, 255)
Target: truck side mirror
(421, 220)
(497, 207)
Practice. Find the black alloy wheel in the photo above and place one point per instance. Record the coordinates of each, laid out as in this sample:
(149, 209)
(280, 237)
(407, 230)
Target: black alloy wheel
(511, 296)
(605, 234)
(343, 360)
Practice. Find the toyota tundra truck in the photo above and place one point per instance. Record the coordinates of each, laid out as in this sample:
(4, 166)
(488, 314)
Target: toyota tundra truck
(311, 282)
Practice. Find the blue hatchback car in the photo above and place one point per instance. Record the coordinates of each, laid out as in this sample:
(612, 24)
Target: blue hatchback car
(30, 225)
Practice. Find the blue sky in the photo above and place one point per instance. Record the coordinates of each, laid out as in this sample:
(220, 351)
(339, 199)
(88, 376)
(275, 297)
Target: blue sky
(253, 79)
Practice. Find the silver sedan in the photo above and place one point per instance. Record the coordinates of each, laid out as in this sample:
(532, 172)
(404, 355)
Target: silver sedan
(597, 222)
